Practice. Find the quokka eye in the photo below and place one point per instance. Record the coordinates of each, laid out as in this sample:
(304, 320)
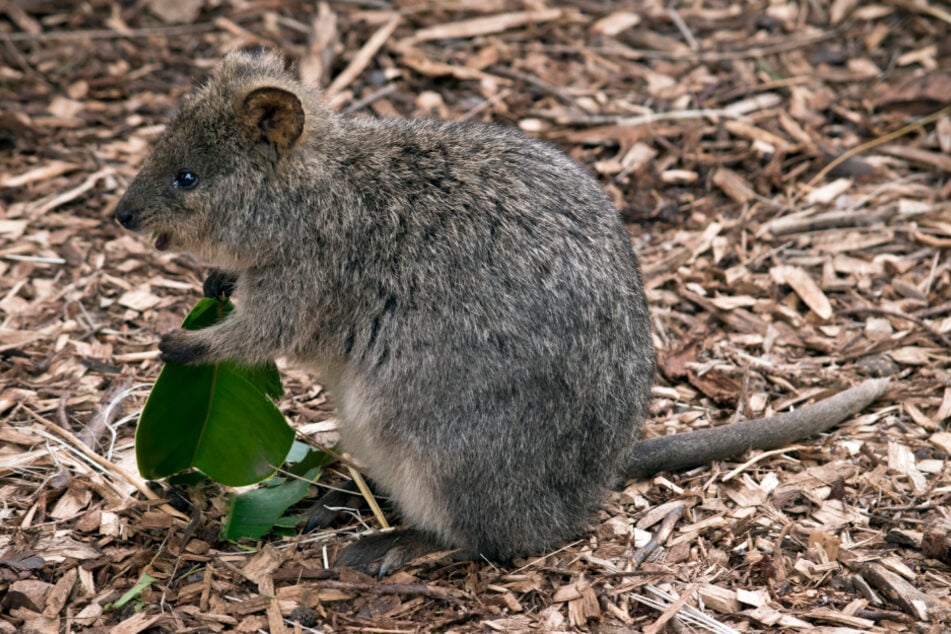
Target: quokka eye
(185, 179)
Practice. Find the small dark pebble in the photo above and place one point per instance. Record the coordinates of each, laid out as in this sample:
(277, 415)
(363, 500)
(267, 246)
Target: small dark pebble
(307, 617)
(935, 545)
(901, 538)
(877, 365)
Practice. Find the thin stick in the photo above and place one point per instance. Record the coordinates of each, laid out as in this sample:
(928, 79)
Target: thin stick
(105, 464)
(684, 29)
(934, 116)
(917, 6)
(779, 567)
(758, 458)
(541, 84)
(363, 57)
(376, 95)
(694, 56)
(671, 611)
(368, 496)
(688, 614)
(931, 330)
(546, 556)
(110, 34)
(666, 527)
(432, 592)
(651, 117)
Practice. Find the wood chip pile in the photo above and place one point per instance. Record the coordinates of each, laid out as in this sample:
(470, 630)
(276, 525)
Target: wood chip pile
(784, 170)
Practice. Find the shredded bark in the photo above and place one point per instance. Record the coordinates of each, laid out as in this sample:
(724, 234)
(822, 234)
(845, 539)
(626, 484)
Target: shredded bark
(783, 168)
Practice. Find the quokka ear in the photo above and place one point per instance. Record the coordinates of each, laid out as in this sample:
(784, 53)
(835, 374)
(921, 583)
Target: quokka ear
(275, 114)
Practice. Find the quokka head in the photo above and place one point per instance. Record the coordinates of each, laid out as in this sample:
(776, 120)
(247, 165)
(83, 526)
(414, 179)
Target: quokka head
(215, 174)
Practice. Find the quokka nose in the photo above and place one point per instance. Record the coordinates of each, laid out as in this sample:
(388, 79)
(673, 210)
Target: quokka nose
(126, 216)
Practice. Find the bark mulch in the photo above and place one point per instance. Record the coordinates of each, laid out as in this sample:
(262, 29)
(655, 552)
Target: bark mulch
(784, 170)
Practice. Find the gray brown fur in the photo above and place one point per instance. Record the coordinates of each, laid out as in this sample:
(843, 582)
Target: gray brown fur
(468, 296)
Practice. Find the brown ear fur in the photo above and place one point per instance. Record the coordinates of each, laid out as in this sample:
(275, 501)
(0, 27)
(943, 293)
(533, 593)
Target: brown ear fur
(275, 113)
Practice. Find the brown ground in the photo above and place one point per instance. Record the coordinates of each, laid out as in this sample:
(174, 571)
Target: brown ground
(773, 281)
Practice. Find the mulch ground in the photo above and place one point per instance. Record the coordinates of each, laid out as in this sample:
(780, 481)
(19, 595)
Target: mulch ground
(784, 170)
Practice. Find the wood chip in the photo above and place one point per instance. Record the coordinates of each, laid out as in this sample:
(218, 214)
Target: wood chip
(733, 185)
(913, 602)
(942, 440)
(829, 192)
(720, 599)
(616, 23)
(804, 286)
(41, 173)
(484, 26)
(140, 299)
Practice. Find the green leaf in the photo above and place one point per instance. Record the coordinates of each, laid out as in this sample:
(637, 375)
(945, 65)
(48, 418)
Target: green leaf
(265, 378)
(299, 452)
(208, 312)
(254, 513)
(144, 582)
(187, 479)
(302, 458)
(217, 418)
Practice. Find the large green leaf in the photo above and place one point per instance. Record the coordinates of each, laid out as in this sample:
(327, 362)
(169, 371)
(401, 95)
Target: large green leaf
(217, 418)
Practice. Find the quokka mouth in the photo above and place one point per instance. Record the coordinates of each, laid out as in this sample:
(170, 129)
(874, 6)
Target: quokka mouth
(162, 239)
